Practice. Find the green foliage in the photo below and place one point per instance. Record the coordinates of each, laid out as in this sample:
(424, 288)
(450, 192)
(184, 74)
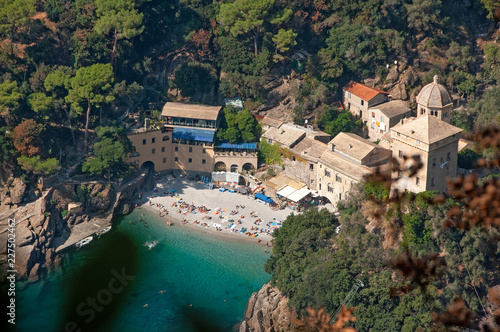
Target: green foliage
(109, 152)
(90, 85)
(423, 15)
(270, 154)
(376, 190)
(333, 122)
(118, 18)
(194, 77)
(6, 147)
(491, 63)
(285, 39)
(238, 127)
(486, 108)
(459, 56)
(36, 165)
(490, 6)
(40, 103)
(64, 213)
(95, 166)
(467, 158)
(243, 16)
(9, 97)
(15, 13)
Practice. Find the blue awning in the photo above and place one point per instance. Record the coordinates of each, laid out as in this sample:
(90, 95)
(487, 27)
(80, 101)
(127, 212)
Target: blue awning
(193, 134)
(264, 198)
(242, 146)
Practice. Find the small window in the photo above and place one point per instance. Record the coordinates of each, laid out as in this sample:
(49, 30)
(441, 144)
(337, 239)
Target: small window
(417, 181)
(293, 158)
(166, 138)
(153, 151)
(320, 186)
(176, 159)
(327, 173)
(153, 140)
(190, 149)
(400, 154)
(203, 161)
(312, 181)
(349, 95)
(143, 142)
(382, 119)
(338, 178)
(176, 148)
(164, 160)
(373, 114)
(362, 102)
(330, 188)
(340, 196)
(432, 182)
(311, 166)
(204, 150)
(448, 156)
(190, 160)
(434, 162)
(163, 149)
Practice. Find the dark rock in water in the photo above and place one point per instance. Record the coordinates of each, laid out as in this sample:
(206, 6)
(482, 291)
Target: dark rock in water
(34, 272)
(124, 208)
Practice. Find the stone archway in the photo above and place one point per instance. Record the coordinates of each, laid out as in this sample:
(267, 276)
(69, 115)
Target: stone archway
(148, 164)
(248, 167)
(234, 168)
(220, 166)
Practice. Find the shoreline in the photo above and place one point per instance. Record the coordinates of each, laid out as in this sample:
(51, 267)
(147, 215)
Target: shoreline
(194, 201)
(237, 238)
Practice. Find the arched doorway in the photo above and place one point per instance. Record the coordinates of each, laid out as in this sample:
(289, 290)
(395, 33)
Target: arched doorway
(220, 166)
(248, 167)
(148, 165)
(234, 168)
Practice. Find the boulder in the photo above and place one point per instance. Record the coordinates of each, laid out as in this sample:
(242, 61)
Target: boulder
(103, 199)
(23, 234)
(17, 192)
(124, 208)
(26, 258)
(398, 92)
(393, 75)
(34, 272)
(78, 220)
(268, 311)
(410, 77)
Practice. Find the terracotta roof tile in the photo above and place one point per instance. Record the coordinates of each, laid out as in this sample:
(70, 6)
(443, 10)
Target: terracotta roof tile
(363, 91)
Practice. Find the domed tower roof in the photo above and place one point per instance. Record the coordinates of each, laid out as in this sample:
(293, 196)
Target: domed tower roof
(434, 95)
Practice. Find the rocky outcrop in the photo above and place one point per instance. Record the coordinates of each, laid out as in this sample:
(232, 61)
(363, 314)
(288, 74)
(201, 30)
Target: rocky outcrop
(267, 310)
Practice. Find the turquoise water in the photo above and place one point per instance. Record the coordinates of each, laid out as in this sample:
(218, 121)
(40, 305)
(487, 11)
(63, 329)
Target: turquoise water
(206, 282)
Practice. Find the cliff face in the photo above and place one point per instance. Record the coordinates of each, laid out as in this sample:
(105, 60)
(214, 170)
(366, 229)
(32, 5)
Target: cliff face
(267, 310)
(40, 226)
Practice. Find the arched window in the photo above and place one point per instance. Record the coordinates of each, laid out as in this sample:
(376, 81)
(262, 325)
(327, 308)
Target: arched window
(166, 138)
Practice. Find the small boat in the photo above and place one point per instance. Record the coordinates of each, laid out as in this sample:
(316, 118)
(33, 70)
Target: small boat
(103, 231)
(83, 242)
(151, 244)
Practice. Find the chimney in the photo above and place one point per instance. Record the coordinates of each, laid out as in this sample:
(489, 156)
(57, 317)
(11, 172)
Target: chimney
(147, 123)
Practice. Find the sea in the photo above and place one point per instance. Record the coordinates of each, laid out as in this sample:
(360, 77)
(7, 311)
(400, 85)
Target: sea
(189, 281)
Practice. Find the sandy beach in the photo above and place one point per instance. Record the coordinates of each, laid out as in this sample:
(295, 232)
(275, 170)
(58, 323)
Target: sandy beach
(226, 213)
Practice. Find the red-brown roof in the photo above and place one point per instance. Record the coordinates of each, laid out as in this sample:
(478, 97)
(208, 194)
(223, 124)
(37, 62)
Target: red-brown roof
(363, 91)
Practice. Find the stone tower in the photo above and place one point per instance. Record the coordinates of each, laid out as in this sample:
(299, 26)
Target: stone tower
(434, 100)
(436, 142)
